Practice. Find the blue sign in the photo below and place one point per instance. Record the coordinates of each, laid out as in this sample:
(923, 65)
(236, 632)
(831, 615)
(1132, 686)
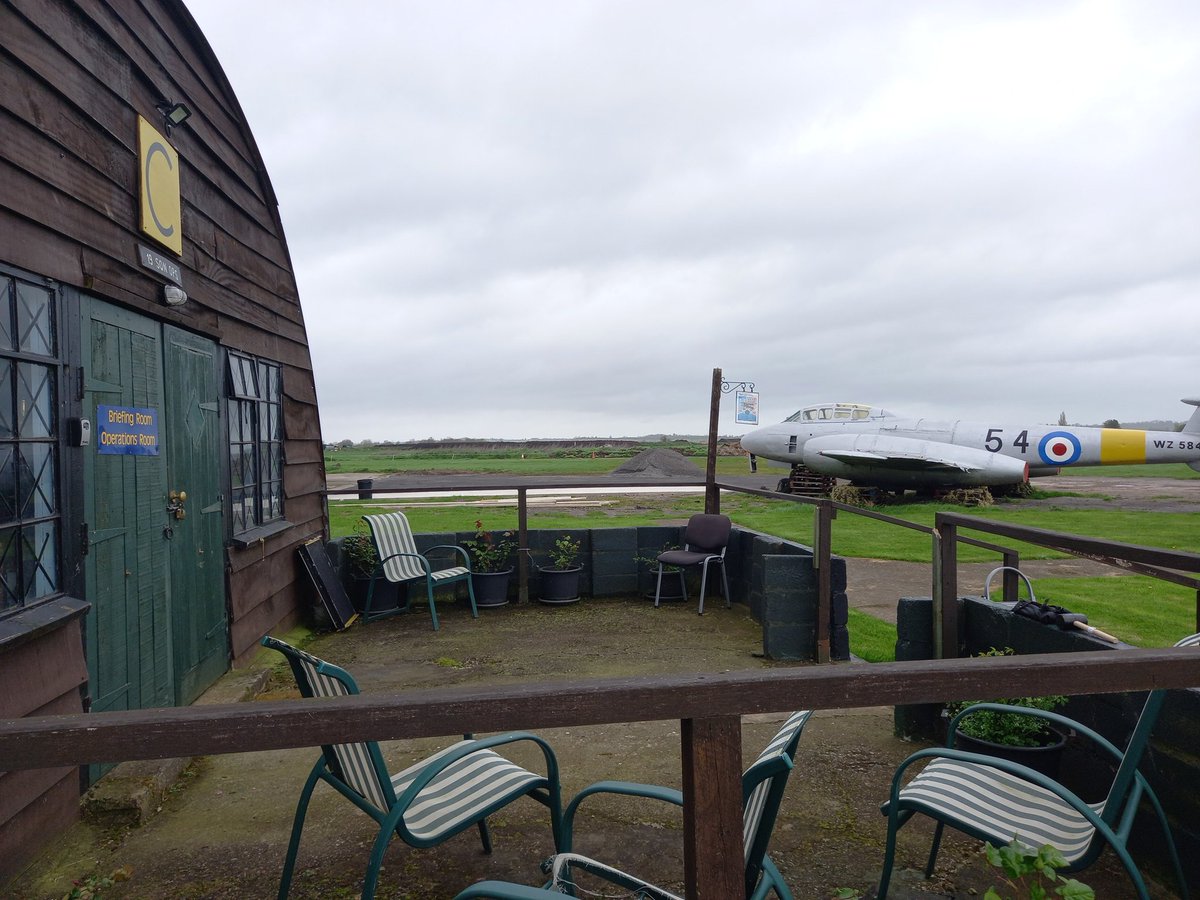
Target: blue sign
(127, 430)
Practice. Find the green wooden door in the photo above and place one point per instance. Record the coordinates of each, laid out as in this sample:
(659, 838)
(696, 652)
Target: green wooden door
(125, 569)
(157, 633)
(195, 535)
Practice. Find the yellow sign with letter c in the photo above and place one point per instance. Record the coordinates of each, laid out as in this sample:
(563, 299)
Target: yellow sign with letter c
(158, 178)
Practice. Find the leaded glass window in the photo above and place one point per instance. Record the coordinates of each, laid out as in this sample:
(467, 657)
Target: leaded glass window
(255, 398)
(30, 522)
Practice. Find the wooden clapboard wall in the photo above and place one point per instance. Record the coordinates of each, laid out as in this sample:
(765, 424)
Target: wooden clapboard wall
(74, 77)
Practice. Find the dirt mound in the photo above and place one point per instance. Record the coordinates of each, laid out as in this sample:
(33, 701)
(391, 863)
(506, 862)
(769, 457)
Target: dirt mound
(660, 464)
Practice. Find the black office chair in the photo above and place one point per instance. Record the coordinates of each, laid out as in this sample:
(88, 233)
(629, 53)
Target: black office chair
(704, 544)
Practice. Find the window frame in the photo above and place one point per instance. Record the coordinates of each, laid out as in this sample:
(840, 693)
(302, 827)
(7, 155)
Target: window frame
(254, 392)
(36, 496)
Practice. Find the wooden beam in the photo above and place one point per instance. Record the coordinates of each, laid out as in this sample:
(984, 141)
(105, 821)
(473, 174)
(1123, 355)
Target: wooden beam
(712, 494)
(823, 560)
(523, 542)
(47, 741)
(713, 855)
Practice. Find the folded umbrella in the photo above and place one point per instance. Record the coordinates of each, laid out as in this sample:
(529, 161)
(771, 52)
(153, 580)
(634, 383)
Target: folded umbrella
(1046, 613)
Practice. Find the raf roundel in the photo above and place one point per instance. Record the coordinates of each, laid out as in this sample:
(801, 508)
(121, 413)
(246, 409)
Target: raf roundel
(1059, 448)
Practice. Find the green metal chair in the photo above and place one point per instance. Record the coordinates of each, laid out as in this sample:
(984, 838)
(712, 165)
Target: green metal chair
(427, 803)
(401, 564)
(999, 801)
(762, 790)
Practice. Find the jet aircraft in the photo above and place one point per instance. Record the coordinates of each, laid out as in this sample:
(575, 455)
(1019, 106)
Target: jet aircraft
(873, 447)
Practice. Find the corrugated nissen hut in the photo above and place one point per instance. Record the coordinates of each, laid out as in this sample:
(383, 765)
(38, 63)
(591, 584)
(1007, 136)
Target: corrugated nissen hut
(160, 453)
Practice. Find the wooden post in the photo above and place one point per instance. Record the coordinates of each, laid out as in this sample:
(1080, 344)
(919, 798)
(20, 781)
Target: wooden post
(522, 541)
(822, 559)
(1012, 559)
(945, 600)
(712, 496)
(713, 858)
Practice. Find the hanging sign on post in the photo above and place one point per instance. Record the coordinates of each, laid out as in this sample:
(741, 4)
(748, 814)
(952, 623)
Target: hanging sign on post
(746, 408)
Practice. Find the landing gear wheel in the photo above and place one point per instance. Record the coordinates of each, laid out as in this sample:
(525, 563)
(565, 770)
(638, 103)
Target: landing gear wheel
(784, 486)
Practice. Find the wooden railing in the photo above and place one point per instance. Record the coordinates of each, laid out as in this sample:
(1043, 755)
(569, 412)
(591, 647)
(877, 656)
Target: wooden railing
(708, 707)
(1167, 565)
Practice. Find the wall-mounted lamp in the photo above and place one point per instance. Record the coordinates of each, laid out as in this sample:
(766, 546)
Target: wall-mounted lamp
(174, 295)
(174, 114)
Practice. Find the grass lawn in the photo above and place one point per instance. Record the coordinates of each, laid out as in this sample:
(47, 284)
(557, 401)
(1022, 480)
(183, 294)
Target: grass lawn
(852, 535)
(872, 639)
(385, 460)
(1165, 470)
(1142, 611)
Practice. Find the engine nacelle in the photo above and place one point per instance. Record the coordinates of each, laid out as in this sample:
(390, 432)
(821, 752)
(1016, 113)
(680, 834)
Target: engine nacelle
(900, 462)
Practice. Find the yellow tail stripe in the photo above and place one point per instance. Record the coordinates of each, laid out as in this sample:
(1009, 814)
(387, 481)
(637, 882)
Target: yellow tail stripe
(1122, 445)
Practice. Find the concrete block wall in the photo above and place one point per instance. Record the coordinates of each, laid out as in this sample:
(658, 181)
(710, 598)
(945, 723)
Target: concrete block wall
(1172, 764)
(775, 578)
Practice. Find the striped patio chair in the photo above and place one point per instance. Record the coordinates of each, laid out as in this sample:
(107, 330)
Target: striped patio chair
(427, 803)
(401, 564)
(999, 801)
(762, 790)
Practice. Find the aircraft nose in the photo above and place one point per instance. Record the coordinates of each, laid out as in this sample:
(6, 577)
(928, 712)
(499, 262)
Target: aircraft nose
(754, 442)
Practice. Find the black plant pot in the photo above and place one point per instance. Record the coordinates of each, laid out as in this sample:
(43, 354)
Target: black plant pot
(490, 588)
(559, 585)
(1046, 759)
(386, 598)
(672, 585)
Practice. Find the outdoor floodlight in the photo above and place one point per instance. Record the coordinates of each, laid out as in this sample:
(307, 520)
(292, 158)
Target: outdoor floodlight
(174, 114)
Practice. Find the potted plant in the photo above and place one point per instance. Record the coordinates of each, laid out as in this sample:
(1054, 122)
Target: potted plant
(560, 579)
(361, 560)
(672, 580)
(1028, 740)
(491, 565)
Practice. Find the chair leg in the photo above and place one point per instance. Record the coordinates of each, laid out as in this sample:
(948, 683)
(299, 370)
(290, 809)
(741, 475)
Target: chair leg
(366, 614)
(895, 820)
(1173, 852)
(485, 835)
(432, 605)
(772, 881)
(933, 849)
(289, 863)
(725, 583)
(471, 596)
(703, 584)
(386, 829)
(658, 588)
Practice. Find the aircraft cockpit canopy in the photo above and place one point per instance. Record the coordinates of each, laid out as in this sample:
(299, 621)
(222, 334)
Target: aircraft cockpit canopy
(833, 412)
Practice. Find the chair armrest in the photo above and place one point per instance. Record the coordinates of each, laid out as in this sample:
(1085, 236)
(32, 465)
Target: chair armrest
(626, 788)
(503, 890)
(1047, 715)
(424, 562)
(457, 549)
(474, 746)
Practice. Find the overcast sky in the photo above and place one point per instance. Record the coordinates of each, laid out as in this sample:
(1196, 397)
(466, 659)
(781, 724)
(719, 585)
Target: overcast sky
(550, 219)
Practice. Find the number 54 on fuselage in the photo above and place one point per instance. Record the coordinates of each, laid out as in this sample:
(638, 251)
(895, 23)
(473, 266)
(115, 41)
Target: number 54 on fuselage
(871, 446)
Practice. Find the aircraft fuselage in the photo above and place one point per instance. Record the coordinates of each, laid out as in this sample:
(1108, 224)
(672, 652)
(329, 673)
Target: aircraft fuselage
(871, 446)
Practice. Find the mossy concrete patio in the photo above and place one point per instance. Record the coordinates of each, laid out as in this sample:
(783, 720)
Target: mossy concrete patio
(222, 830)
